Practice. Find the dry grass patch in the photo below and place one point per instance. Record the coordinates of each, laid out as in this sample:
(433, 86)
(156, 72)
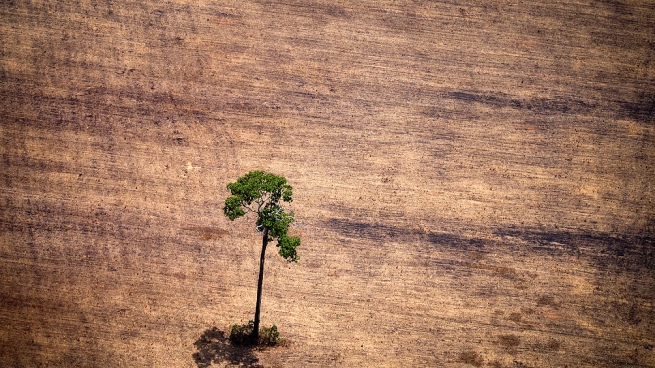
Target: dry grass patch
(208, 233)
(515, 317)
(547, 300)
(509, 340)
(551, 344)
(502, 271)
(471, 357)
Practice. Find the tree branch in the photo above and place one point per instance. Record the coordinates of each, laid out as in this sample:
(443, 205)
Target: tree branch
(262, 201)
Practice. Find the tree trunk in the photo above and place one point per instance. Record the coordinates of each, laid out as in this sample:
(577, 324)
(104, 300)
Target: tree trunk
(255, 331)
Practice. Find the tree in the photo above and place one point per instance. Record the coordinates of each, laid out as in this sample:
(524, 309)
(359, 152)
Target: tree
(260, 192)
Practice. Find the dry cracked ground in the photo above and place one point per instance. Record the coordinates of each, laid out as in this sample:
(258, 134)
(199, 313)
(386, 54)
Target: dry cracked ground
(473, 181)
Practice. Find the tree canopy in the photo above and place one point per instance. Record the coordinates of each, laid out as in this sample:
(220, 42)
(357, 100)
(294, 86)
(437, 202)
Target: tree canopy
(260, 192)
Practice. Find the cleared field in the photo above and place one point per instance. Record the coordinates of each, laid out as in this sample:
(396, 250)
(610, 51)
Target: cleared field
(473, 181)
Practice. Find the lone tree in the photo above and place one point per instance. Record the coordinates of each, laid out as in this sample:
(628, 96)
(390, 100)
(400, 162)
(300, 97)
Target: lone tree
(260, 192)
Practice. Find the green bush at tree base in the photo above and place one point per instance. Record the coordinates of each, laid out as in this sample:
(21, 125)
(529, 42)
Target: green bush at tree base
(242, 335)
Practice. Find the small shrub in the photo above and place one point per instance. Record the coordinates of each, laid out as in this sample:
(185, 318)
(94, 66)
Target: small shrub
(242, 335)
(269, 336)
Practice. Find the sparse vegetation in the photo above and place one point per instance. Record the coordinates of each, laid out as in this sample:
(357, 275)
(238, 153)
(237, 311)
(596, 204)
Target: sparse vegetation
(243, 335)
(269, 336)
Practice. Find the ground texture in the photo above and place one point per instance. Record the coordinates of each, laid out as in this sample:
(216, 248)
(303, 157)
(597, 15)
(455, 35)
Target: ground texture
(474, 181)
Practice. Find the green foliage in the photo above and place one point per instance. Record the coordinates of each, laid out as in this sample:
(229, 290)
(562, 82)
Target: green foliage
(233, 208)
(242, 335)
(288, 247)
(273, 217)
(269, 336)
(258, 187)
(260, 192)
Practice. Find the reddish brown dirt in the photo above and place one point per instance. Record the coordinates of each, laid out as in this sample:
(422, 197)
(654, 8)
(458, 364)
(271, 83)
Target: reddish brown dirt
(473, 181)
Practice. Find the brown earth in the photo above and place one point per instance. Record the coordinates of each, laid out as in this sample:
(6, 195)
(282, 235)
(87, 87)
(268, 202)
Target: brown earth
(473, 181)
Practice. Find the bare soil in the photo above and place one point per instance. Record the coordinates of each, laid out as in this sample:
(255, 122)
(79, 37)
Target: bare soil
(473, 182)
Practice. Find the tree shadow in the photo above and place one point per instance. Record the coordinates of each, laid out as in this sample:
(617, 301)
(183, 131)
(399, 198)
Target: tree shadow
(215, 348)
